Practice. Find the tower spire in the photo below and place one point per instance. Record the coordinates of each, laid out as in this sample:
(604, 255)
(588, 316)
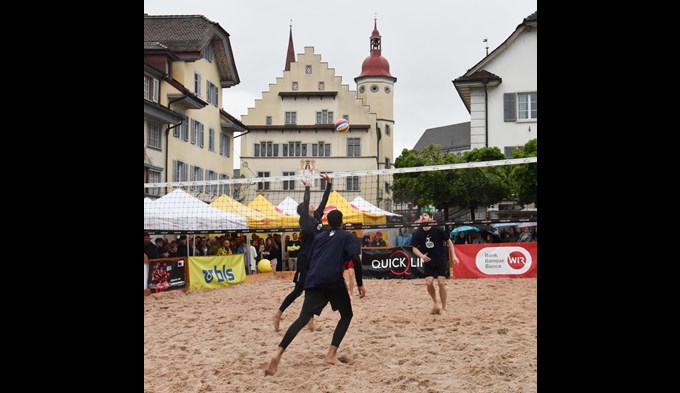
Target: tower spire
(290, 55)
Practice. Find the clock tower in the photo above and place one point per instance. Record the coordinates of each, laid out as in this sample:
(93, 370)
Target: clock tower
(375, 86)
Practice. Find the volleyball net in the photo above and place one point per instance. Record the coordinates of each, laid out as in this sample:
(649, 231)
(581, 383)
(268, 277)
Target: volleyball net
(370, 199)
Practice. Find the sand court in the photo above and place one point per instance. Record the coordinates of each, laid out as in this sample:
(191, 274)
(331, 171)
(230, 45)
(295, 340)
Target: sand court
(221, 340)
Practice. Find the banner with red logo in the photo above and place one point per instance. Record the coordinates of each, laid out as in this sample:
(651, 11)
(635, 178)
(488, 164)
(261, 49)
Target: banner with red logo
(494, 260)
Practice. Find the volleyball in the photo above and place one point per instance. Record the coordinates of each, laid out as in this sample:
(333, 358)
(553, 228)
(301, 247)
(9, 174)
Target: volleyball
(342, 125)
(264, 266)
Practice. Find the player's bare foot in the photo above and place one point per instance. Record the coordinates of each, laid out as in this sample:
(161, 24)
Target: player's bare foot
(273, 366)
(276, 319)
(435, 310)
(331, 355)
(311, 326)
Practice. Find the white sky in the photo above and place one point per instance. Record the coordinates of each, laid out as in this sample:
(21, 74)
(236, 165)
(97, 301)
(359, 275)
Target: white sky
(428, 43)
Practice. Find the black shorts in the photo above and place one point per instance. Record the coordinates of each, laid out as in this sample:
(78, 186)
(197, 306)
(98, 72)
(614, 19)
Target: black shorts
(434, 269)
(301, 268)
(317, 298)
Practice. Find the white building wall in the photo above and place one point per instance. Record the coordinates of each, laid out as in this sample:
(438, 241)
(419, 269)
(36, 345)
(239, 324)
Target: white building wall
(517, 65)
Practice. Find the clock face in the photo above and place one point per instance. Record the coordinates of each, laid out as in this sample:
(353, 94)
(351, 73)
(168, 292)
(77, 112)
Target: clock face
(388, 89)
(362, 88)
(374, 88)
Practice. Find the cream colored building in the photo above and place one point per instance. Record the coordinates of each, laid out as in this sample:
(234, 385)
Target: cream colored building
(292, 128)
(194, 54)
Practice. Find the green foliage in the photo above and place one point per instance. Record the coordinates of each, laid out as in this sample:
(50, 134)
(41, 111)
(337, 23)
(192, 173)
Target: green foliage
(464, 188)
(523, 177)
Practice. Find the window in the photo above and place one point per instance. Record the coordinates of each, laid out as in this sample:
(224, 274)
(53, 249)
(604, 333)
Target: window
(324, 117)
(201, 136)
(211, 189)
(196, 133)
(153, 138)
(267, 149)
(374, 88)
(527, 106)
(294, 149)
(224, 188)
(263, 185)
(147, 87)
(387, 129)
(294, 85)
(211, 140)
(520, 106)
(308, 69)
(224, 144)
(209, 53)
(387, 163)
(151, 88)
(289, 184)
(346, 117)
(154, 177)
(181, 130)
(268, 120)
(212, 93)
(353, 147)
(362, 89)
(321, 149)
(322, 85)
(291, 117)
(353, 183)
(196, 175)
(197, 84)
(180, 171)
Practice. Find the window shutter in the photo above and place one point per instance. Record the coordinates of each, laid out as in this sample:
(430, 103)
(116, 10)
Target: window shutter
(174, 170)
(202, 135)
(509, 107)
(156, 90)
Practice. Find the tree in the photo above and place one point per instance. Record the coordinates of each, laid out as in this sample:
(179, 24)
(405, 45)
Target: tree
(523, 178)
(473, 187)
(464, 188)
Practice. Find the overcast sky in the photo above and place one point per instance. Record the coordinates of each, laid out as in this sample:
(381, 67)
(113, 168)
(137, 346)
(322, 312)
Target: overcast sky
(428, 43)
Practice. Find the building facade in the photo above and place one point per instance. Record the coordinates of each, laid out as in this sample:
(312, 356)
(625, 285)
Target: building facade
(501, 91)
(292, 128)
(194, 57)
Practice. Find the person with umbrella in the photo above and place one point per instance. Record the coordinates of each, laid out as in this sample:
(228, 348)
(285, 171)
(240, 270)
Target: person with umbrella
(427, 243)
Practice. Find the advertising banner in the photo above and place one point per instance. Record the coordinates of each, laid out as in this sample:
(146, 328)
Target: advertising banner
(166, 273)
(493, 260)
(393, 262)
(216, 271)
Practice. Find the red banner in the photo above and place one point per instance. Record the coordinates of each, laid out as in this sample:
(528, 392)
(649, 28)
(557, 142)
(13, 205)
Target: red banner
(495, 260)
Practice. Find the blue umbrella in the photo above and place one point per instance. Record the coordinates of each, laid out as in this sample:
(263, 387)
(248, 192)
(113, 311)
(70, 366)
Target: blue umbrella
(465, 228)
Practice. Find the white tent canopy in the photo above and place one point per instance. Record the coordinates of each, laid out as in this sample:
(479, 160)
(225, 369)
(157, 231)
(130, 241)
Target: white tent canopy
(181, 211)
(288, 206)
(365, 206)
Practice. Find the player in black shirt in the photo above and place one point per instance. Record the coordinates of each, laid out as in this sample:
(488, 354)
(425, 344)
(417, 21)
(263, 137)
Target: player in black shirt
(329, 251)
(427, 243)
